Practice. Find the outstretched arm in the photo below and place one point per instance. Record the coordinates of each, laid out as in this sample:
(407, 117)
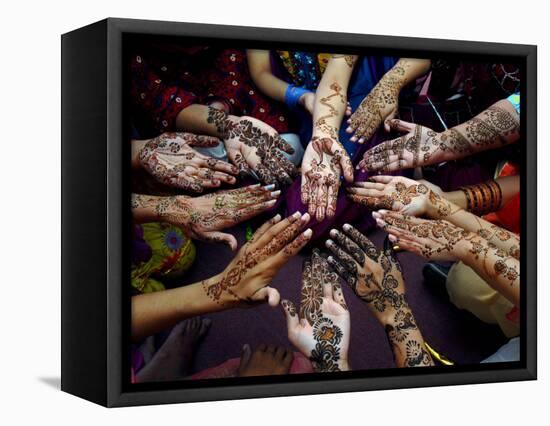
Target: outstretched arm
(410, 197)
(441, 240)
(259, 65)
(243, 283)
(325, 159)
(497, 126)
(381, 103)
(331, 96)
(376, 278)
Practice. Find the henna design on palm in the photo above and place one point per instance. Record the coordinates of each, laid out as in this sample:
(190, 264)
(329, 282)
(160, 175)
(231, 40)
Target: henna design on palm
(171, 160)
(321, 330)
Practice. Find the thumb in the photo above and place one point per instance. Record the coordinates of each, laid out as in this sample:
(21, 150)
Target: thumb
(220, 237)
(389, 118)
(267, 293)
(291, 314)
(347, 167)
(400, 125)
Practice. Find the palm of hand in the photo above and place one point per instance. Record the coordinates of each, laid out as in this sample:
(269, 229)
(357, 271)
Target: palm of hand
(171, 160)
(321, 172)
(203, 217)
(321, 329)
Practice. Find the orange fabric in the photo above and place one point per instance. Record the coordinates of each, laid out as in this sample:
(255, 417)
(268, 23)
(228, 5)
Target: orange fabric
(508, 216)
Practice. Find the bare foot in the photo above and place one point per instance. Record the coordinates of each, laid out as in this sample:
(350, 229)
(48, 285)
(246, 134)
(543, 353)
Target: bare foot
(265, 361)
(173, 360)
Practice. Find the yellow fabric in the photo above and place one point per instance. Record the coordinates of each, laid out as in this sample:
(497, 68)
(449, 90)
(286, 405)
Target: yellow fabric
(469, 291)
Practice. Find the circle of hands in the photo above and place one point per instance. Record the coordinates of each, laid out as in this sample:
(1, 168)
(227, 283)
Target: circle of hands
(172, 160)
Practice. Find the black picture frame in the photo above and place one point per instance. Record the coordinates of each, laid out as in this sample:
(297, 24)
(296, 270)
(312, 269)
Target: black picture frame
(95, 208)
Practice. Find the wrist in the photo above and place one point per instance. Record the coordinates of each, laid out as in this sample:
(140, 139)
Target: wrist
(389, 315)
(463, 250)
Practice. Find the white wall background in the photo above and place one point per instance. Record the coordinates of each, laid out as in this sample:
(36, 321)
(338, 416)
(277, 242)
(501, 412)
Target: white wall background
(30, 210)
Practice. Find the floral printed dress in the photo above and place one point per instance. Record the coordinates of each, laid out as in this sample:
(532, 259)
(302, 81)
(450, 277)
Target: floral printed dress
(166, 80)
(159, 252)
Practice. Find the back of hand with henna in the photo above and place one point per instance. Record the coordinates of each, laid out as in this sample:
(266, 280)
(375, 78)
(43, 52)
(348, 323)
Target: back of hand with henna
(421, 146)
(204, 217)
(376, 278)
(253, 146)
(246, 279)
(320, 329)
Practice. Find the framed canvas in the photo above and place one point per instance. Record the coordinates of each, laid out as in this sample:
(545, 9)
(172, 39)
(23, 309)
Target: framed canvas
(256, 212)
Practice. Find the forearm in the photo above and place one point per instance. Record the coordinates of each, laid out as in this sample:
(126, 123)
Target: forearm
(498, 269)
(204, 120)
(154, 312)
(509, 187)
(495, 127)
(331, 96)
(151, 208)
(145, 208)
(259, 65)
(408, 69)
(405, 338)
(441, 208)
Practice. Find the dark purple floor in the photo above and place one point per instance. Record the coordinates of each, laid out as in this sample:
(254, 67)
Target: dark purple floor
(454, 333)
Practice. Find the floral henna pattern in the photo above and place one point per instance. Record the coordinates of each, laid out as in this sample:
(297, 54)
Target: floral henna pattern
(326, 353)
(262, 142)
(321, 123)
(376, 106)
(321, 177)
(312, 294)
(172, 161)
(228, 286)
(376, 277)
(423, 146)
(201, 217)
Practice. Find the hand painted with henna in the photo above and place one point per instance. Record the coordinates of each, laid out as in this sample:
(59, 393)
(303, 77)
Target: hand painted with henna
(400, 194)
(432, 239)
(246, 279)
(376, 278)
(204, 217)
(325, 160)
(254, 146)
(420, 146)
(379, 105)
(171, 160)
(321, 328)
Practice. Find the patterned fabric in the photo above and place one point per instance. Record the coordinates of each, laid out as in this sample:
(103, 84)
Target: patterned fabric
(304, 68)
(163, 84)
(159, 251)
(515, 101)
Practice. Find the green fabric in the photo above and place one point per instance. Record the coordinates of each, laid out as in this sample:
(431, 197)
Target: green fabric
(172, 254)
